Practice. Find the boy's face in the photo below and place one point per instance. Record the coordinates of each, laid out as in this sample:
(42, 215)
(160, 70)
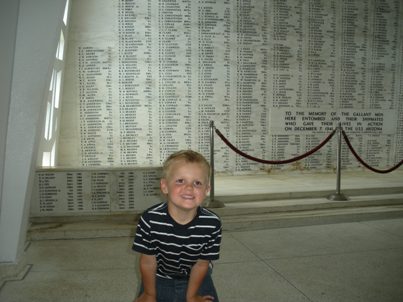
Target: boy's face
(186, 185)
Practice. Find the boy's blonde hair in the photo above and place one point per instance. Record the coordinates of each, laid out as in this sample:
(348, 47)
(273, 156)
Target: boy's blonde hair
(188, 156)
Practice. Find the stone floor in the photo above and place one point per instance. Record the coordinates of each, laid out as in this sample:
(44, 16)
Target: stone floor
(356, 261)
(349, 261)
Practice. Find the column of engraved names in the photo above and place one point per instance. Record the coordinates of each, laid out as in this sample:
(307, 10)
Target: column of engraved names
(135, 113)
(352, 73)
(378, 151)
(320, 53)
(48, 191)
(286, 53)
(100, 191)
(127, 69)
(95, 99)
(263, 78)
(151, 183)
(399, 115)
(74, 186)
(353, 48)
(147, 91)
(213, 81)
(175, 76)
(382, 63)
(320, 65)
(285, 146)
(249, 72)
(126, 190)
(383, 55)
(285, 74)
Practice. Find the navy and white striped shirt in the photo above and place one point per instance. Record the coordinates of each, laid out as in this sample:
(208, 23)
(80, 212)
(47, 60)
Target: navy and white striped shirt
(177, 247)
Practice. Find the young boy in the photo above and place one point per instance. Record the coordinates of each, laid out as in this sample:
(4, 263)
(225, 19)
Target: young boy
(178, 239)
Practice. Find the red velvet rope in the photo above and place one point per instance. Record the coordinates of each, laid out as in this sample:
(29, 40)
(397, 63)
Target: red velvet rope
(364, 163)
(274, 162)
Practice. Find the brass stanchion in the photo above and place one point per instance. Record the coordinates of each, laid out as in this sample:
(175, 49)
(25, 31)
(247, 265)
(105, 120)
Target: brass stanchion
(212, 202)
(338, 196)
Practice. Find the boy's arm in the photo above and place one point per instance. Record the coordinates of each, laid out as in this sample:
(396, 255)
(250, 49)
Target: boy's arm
(197, 275)
(148, 269)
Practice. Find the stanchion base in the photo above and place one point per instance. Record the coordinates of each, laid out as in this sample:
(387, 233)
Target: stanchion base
(214, 204)
(337, 197)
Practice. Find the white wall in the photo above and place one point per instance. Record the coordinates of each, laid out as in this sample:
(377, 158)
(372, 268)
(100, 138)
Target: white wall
(35, 28)
(8, 32)
(275, 86)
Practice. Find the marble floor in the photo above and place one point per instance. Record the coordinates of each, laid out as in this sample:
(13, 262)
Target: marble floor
(349, 261)
(355, 261)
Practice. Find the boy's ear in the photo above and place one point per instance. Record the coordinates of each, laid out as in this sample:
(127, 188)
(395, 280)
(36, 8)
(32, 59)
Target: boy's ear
(164, 186)
(208, 188)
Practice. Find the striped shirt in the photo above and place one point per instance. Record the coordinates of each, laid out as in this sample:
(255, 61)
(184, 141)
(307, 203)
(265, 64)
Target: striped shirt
(177, 247)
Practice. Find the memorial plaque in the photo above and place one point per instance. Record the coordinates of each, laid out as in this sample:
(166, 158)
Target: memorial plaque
(66, 192)
(144, 79)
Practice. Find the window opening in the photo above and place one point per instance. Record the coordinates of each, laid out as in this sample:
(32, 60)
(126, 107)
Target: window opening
(48, 143)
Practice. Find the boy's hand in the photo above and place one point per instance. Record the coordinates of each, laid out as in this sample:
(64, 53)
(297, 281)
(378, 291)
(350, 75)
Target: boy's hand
(146, 298)
(200, 299)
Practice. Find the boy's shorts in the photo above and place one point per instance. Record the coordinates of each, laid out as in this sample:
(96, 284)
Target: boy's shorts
(169, 290)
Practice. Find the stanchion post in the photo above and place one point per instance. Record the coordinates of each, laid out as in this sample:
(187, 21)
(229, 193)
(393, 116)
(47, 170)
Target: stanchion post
(338, 196)
(212, 202)
(212, 187)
